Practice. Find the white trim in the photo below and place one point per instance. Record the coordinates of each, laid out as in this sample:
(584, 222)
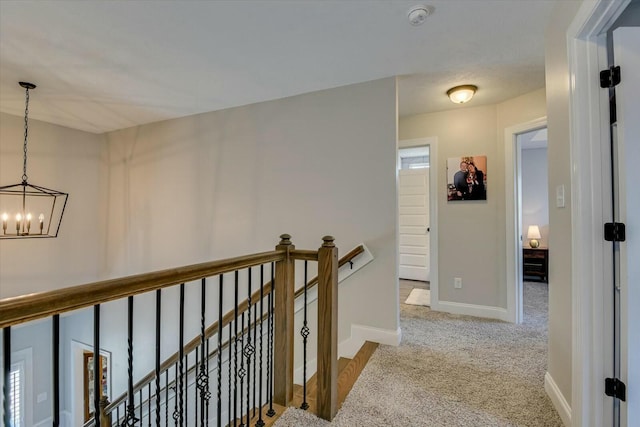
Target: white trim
(557, 399)
(485, 311)
(65, 419)
(432, 142)
(513, 265)
(589, 177)
(361, 333)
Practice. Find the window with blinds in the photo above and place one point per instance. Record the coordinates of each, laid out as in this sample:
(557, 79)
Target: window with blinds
(16, 390)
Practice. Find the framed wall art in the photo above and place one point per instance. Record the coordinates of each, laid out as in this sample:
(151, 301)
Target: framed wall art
(467, 178)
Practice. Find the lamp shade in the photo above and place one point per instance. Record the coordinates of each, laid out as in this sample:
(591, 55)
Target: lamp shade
(533, 232)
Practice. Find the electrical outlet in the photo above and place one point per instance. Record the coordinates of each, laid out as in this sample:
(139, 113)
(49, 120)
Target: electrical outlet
(457, 282)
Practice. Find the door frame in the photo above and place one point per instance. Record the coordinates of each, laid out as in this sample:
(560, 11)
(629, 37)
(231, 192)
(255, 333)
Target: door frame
(513, 223)
(432, 142)
(590, 187)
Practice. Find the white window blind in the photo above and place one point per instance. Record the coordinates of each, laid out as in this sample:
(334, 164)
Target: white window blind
(16, 388)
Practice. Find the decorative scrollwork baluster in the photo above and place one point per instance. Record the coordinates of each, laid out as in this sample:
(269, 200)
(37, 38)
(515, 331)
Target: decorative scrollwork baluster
(249, 348)
(220, 295)
(260, 422)
(202, 380)
(158, 337)
(271, 412)
(305, 333)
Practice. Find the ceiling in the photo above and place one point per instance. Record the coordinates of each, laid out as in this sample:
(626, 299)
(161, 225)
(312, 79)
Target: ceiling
(107, 65)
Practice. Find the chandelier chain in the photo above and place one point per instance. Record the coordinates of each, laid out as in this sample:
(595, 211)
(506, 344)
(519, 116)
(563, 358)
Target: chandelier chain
(26, 134)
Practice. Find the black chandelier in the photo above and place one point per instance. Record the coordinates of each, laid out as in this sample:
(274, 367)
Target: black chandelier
(28, 210)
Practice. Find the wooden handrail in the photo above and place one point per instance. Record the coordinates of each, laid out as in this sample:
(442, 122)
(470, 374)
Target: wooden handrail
(26, 308)
(345, 259)
(242, 307)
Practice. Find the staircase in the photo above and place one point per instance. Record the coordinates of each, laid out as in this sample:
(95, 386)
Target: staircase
(250, 343)
(348, 372)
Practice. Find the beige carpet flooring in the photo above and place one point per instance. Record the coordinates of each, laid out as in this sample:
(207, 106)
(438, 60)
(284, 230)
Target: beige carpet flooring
(452, 371)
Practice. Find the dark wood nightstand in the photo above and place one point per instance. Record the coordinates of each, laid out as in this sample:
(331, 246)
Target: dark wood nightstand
(535, 264)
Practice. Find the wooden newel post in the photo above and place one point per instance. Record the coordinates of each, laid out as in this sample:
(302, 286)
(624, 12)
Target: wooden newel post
(327, 374)
(284, 325)
(105, 419)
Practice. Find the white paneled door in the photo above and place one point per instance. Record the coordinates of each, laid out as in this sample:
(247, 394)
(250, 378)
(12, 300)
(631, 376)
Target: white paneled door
(413, 206)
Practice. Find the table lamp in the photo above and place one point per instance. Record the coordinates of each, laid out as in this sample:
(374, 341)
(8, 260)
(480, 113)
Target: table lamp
(533, 234)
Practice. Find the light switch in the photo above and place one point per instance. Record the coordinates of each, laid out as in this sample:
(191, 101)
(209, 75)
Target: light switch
(41, 397)
(560, 196)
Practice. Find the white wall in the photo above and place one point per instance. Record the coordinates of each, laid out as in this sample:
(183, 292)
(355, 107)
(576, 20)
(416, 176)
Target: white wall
(535, 195)
(559, 163)
(63, 159)
(211, 186)
(227, 183)
(472, 234)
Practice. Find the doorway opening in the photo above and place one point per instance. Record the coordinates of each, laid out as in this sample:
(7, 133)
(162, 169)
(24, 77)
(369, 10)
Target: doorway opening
(532, 171)
(414, 225)
(515, 235)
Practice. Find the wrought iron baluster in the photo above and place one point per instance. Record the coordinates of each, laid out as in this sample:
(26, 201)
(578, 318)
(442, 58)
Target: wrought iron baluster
(158, 335)
(96, 364)
(242, 372)
(271, 412)
(230, 344)
(180, 389)
(196, 367)
(56, 370)
(207, 407)
(202, 381)
(255, 343)
(149, 405)
(140, 405)
(249, 349)
(235, 353)
(166, 397)
(220, 294)
(176, 415)
(6, 357)
(260, 422)
(185, 392)
(305, 333)
(130, 416)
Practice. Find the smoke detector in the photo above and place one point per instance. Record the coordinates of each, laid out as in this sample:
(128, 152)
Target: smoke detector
(418, 14)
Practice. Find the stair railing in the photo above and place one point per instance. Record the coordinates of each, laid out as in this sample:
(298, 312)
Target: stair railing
(244, 306)
(272, 330)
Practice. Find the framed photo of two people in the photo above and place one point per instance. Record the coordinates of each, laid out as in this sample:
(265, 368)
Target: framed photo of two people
(467, 178)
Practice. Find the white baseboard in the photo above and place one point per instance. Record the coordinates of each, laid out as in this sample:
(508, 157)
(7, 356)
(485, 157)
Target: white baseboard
(485, 311)
(558, 400)
(361, 333)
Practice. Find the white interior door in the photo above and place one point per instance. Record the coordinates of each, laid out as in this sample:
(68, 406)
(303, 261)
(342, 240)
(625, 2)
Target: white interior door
(626, 46)
(413, 210)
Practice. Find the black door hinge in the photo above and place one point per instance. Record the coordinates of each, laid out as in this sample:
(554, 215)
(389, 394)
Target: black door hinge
(610, 77)
(614, 232)
(615, 388)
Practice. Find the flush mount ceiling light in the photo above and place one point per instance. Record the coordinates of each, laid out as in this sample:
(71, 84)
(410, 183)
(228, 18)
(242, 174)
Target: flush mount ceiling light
(462, 94)
(418, 14)
(21, 205)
